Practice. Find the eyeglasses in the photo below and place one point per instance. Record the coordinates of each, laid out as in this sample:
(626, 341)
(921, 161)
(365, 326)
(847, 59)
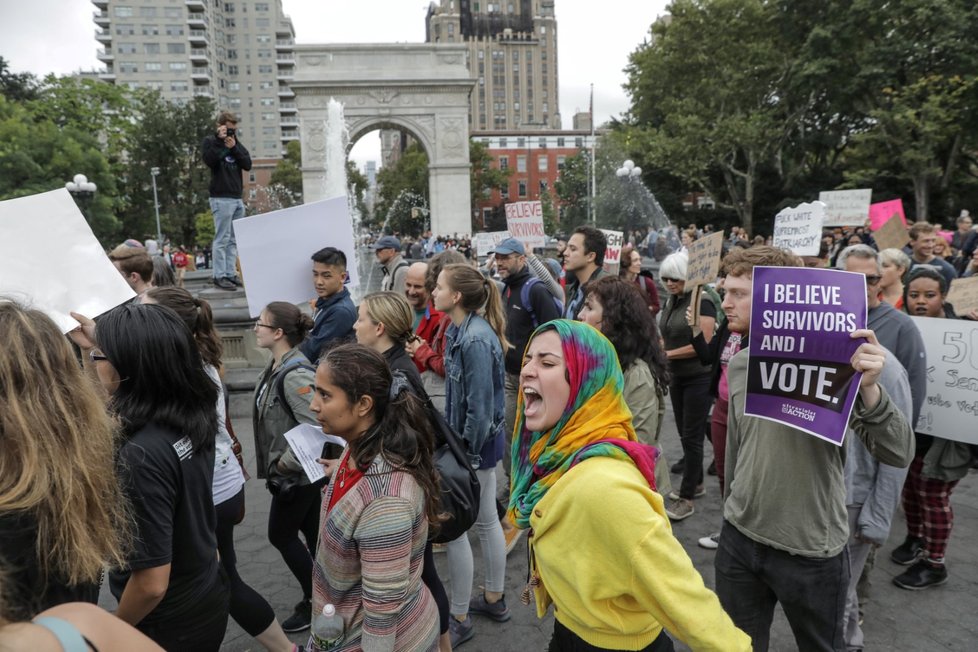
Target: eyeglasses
(873, 279)
(258, 324)
(672, 280)
(95, 356)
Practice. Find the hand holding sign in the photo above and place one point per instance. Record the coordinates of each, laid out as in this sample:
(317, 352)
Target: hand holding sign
(868, 360)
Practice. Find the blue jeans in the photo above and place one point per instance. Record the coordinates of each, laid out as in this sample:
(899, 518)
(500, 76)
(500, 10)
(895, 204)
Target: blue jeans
(752, 578)
(225, 248)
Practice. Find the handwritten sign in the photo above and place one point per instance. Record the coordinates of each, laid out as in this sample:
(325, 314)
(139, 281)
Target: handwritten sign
(486, 242)
(524, 221)
(884, 210)
(950, 410)
(799, 372)
(892, 234)
(846, 207)
(83, 280)
(704, 260)
(612, 253)
(963, 294)
(799, 229)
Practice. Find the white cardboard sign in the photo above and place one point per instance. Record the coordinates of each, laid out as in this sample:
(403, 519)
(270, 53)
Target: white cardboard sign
(846, 207)
(276, 248)
(799, 229)
(524, 220)
(612, 253)
(78, 276)
(950, 410)
(486, 242)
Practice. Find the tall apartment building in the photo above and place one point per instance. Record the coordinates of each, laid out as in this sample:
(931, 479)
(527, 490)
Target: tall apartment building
(512, 52)
(239, 52)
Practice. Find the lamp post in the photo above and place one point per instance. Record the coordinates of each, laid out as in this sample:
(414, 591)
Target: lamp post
(155, 172)
(82, 190)
(629, 173)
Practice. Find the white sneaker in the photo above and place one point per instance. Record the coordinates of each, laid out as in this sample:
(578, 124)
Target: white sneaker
(711, 542)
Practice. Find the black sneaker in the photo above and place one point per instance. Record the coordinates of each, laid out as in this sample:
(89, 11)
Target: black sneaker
(907, 552)
(922, 575)
(300, 619)
(224, 284)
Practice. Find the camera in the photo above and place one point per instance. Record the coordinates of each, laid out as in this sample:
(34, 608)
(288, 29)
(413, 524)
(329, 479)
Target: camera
(230, 133)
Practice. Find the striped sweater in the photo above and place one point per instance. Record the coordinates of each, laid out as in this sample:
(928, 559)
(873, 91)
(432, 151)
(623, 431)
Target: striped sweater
(369, 560)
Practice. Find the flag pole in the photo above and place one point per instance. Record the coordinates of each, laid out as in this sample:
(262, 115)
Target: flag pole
(593, 160)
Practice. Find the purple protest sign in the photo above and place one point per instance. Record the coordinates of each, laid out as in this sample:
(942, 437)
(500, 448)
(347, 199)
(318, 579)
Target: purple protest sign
(799, 370)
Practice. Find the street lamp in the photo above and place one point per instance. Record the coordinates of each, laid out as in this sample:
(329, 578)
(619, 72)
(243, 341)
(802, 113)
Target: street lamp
(630, 173)
(155, 172)
(83, 190)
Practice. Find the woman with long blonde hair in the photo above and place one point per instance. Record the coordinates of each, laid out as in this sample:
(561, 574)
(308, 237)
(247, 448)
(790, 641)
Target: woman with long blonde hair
(475, 409)
(63, 515)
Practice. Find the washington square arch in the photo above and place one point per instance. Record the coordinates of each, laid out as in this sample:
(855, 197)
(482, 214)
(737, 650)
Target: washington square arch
(422, 89)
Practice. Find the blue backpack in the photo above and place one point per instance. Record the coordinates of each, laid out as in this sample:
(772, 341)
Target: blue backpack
(525, 299)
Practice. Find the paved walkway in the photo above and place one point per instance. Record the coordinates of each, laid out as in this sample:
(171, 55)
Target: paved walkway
(944, 618)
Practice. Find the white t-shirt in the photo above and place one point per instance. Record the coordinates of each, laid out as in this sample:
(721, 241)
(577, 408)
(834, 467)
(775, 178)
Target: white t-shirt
(228, 477)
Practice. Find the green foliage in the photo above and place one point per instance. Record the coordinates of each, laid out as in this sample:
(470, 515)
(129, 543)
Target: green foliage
(485, 178)
(572, 188)
(358, 185)
(285, 184)
(204, 227)
(16, 87)
(402, 187)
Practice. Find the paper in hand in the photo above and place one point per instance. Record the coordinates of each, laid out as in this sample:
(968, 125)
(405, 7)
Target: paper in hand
(307, 442)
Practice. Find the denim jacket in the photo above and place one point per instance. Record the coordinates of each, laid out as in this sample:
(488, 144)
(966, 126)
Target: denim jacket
(474, 389)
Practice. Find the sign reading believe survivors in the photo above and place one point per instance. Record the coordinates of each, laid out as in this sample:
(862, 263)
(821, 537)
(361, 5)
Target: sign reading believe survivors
(799, 370)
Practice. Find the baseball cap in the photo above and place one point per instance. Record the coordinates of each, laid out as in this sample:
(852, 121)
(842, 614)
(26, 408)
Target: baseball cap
(509, 246)
(387, 242)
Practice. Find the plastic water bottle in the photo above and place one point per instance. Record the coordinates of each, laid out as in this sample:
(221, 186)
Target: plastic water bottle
(327, 628)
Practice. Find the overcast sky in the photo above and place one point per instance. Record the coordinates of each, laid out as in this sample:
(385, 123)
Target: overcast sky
(43, 36)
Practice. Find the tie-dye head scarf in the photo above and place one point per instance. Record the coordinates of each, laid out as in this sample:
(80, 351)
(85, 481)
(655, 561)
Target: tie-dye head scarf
(595, 423)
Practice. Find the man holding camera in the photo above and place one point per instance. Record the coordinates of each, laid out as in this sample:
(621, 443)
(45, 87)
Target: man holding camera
(226, 157)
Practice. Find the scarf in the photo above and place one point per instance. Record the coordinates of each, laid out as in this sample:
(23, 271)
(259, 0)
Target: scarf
(596, 422)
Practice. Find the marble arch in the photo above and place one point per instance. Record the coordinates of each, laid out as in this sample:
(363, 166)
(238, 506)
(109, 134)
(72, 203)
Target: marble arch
(422, 88)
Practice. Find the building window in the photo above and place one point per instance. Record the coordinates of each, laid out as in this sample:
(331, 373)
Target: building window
(172, 12)
(542, 143)
(579, 142)
(178, 86)
(174, 30)
(153, 66)
(234, 87)
(503, 162)
(176, 48)
(261, 6)
(128, 66)
(147, 12)
(542, 163)
(521, 164)
(150, 30)
(123, 12)
(521, 142)
(229, 22)
(265, 70)
(502, 142)
(522, 188)
(151, 48)
(232, 70)
(504, 192)
(543, 186)
(268, 101)
(178, 66)
(560, 162)
(560, 141)
(125, 29)
(126, 48)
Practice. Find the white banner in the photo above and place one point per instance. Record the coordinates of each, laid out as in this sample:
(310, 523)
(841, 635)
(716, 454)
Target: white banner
(951, 407)
(276, 250)
(74, 275)
(524, 220)
(846, 207)
(486, 242)
(799, 229)
(612, 254)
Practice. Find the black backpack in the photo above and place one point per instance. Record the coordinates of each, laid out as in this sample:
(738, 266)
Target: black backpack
(459, 485)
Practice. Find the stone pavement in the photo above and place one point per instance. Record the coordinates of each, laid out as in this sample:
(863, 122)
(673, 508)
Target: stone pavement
(943, 618)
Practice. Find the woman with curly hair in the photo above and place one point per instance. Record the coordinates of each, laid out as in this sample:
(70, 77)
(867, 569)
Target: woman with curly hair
(617, 309)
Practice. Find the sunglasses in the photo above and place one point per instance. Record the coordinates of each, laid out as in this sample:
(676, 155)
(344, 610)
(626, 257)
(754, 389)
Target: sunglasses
(95, 356)
(873, 279)
(672, 280)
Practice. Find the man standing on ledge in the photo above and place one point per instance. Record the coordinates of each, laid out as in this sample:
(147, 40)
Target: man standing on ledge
(226, 157)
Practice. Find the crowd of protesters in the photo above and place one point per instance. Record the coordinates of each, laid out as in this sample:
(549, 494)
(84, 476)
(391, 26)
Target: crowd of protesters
(119, 459)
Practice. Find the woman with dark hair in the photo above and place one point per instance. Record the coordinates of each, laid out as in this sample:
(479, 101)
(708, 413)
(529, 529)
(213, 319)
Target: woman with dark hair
(631, 271)
(378, 509)
(602, 550)
(247, 607)
(281, 402)
(616, 308)
(937, 467)
(173, 589)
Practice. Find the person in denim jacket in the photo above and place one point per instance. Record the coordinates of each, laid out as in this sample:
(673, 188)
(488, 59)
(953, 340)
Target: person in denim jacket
(475, 409)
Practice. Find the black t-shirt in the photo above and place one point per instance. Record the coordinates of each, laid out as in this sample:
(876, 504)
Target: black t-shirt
(170, 489)
(27, 590)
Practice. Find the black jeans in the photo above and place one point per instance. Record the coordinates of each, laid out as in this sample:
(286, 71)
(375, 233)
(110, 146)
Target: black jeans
(248, 608)
(691, 403)
(286, 519)
(201, 628)
(752, 578)
(564, 640)
(429, 575)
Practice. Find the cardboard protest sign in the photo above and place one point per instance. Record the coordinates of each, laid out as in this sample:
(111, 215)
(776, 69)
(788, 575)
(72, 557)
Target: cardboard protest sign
(799, 371)
(963, 294)
(486, 242)
(799, 229)
(524, 221)
(82, 280)
(612, 254)
(704, 259)
(884, 210)
(951, 407)
(275, 250)
(892, 234)
(846, 207)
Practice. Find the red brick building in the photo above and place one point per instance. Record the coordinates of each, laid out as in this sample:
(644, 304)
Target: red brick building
(536, 159)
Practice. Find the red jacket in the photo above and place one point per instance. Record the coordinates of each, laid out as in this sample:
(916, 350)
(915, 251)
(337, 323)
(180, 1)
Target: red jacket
(432, 354)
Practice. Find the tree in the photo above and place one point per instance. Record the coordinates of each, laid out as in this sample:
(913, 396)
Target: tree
(402, 186)
(485, 178)
(358, 185)
(285, 184)
(16, 87)
(573, 190)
